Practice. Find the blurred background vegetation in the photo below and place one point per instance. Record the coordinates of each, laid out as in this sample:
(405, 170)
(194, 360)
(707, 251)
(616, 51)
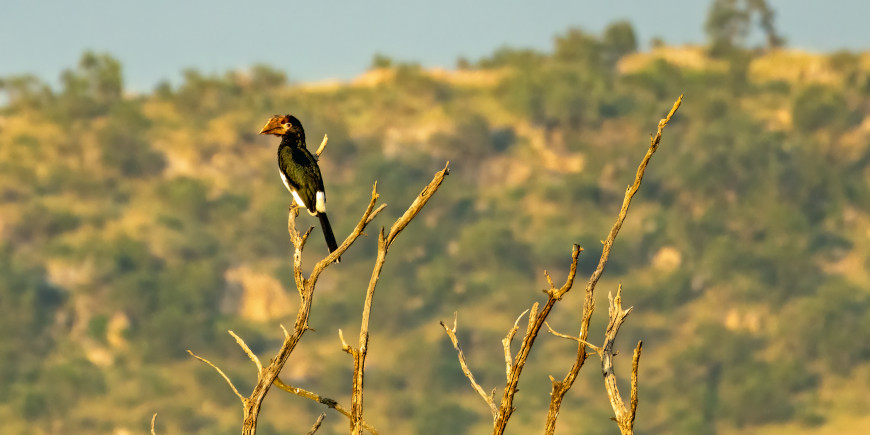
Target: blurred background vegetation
(136, 226)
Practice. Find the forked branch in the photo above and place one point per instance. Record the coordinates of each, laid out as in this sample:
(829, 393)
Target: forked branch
(488, 398)
(624, 416)
(559, 388)
(384, 243)
(515, 365)
(267, 375)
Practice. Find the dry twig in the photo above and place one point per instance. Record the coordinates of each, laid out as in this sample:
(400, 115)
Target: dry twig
(321, 147)
(317, 424)
(331, 403)
(509, 338)
(488, 398)
(536, 320)
(502, 413)
(561, 387)
(384, 243)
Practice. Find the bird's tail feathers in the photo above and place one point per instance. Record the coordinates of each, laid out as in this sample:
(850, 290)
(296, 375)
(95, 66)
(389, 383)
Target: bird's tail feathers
(327, 233)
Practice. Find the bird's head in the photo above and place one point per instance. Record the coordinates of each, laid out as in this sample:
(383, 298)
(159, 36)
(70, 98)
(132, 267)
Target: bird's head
(280, 125)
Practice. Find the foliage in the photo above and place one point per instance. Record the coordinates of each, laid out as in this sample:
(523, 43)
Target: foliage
(126, 221)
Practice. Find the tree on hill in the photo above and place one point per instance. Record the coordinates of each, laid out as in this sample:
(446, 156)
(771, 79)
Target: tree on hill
(729, 23)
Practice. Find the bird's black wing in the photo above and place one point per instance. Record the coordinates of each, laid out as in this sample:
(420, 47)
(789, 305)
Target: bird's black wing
(302, 174)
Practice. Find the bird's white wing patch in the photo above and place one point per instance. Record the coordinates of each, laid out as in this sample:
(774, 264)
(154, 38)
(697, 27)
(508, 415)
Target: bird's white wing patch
(298, 199)
(296, 196)
(321, 202)
(284, 179)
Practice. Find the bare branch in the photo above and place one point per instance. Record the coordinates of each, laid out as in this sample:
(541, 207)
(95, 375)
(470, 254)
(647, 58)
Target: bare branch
(375, 213)
(248, 351)
(317, 424)
(305, 286)
(451, 332)
(506, 343)
(153, 420)
(221, 372)
(418, 204)
(321, 147)
(301, 392)
(561, 387)
(549, 280)
(533, 317)
(344, 346)
(536, 320)
(572, 338)
(384, 243)
(624, 418)
(635, 360)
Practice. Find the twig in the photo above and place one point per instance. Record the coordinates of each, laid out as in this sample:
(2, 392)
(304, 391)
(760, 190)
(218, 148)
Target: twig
(317, 424)
(153, 420)
(559, 388)
(635, 360)
(301, 392)
(451, 332)
(248, 351)
(506, 343)
(321, 147)
(384, 243)
(221, 372)
(572, 338)
(536, 320)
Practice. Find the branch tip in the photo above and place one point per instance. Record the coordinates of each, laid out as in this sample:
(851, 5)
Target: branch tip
(248, 351)
(221, 372)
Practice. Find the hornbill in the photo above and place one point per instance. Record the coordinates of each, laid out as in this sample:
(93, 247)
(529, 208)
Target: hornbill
(299, 171)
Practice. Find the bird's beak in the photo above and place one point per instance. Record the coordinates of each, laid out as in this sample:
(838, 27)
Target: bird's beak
(274, 126)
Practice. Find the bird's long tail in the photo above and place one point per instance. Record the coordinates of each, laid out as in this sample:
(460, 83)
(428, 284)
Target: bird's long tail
(327, 232)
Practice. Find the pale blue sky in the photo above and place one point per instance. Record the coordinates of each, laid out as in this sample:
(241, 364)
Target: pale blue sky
(322, 39)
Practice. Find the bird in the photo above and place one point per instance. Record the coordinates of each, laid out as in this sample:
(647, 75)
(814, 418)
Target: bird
(299, 171)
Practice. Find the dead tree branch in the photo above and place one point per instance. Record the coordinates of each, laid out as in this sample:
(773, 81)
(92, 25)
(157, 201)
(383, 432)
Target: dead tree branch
(561, 387)
(515, 368)
(305, 286)
(384, 243)
(536, 320)
(624, 416)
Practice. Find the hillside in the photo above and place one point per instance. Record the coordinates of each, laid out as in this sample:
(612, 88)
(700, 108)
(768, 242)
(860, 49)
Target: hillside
(135, 227)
